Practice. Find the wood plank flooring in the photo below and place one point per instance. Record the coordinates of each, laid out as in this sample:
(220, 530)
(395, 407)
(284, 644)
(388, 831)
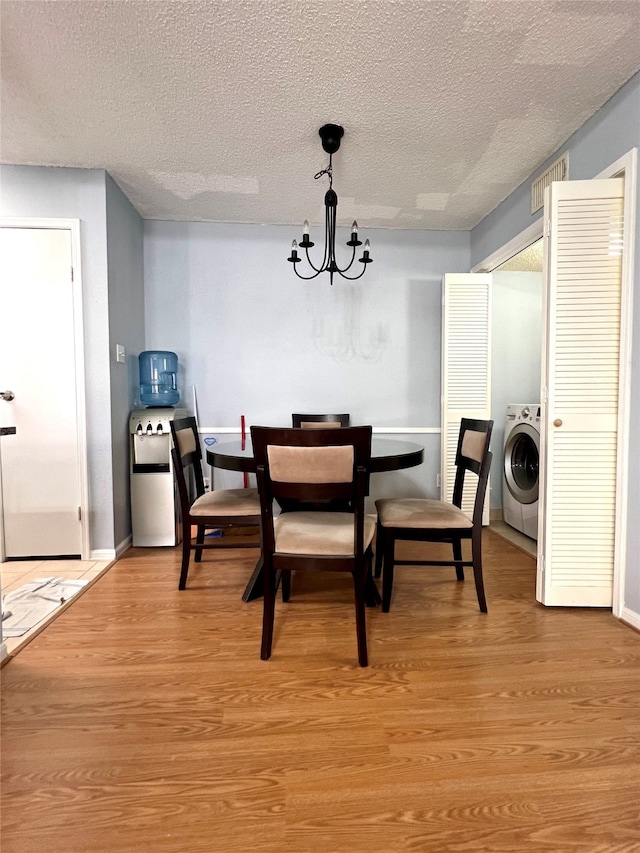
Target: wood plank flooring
(143, 719)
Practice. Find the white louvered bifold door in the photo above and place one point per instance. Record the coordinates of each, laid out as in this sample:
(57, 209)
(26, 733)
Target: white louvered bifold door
(578, 448)
(466, 361)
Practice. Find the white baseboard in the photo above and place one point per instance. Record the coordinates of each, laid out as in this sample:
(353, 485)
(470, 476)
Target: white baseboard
(631, 618)
(123, 546)
(108, 555)
(103, 555)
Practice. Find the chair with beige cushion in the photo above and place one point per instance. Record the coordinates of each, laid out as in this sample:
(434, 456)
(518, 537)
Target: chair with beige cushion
(307, 466)
(320, 421)
(439, 521)
(223, 509)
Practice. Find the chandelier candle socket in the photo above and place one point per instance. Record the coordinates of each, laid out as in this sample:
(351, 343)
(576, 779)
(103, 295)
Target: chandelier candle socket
(331, 134)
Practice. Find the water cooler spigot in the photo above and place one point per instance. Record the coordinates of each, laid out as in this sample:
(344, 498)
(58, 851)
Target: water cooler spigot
(139, 429)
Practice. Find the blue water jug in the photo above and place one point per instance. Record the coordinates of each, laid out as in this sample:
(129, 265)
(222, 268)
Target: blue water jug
(158, 378)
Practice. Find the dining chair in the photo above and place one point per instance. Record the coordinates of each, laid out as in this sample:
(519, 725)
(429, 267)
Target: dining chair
(424, 520)
(320, 421)
(307, 466)
(221, 509)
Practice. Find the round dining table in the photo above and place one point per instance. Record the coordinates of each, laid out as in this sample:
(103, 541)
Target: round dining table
(387, 454)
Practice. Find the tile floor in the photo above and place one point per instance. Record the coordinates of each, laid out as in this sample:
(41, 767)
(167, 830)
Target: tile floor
(15, 573)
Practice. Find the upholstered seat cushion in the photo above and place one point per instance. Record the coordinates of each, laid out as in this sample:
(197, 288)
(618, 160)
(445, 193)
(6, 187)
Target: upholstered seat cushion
(227, 502)
(319, 533)
(420, 512)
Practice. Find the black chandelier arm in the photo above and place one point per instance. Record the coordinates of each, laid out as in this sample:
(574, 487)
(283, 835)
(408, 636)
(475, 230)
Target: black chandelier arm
(353, 277)
(312, 265)
(306, 277)
(349, 265)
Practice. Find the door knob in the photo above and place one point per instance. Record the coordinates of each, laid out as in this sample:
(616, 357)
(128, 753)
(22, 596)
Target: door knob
(557, 422)
(7, 395)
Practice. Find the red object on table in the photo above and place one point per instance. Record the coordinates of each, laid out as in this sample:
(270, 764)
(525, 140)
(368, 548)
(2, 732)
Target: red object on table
(243, 433)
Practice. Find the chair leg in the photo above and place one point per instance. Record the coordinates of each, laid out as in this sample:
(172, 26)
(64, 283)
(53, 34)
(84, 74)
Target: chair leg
(371, 595)
(456, 544)
(476, 556)
(268, 611)
(186, 553)
(387, 573)
(199, 540)
(286, 586)
(359, 578)
(380, 537)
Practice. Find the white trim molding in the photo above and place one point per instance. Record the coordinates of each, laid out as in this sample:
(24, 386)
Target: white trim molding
(376, 431)
(521, 241)
(627, 168)
(630, 617)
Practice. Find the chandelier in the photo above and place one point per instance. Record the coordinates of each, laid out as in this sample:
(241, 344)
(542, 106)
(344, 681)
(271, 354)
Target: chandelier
(331, 134)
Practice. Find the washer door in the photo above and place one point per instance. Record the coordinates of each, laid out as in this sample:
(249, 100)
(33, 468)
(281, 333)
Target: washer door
(521, 460)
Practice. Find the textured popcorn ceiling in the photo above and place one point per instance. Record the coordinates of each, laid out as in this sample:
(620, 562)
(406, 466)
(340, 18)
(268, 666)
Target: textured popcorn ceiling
(210, 109)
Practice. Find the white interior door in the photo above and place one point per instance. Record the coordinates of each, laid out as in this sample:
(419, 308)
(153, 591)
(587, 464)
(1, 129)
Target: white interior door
(41, 465)
(466, 369)
(580, 379)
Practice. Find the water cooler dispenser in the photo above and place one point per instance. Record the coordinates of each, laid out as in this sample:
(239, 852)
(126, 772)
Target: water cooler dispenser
(154, 502)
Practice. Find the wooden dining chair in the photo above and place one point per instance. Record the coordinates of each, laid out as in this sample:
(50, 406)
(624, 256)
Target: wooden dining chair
(320, 421)
(423, 520)
(221, 509)
(307, 466)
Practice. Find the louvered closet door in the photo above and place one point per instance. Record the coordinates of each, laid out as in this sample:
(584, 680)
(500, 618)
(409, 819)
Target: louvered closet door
(466, 354)
(583, 249)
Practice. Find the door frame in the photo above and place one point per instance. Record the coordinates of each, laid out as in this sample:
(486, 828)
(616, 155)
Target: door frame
(626, 168)
(73, 227)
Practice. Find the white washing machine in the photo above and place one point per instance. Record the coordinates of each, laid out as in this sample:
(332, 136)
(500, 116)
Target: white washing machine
(520, 471)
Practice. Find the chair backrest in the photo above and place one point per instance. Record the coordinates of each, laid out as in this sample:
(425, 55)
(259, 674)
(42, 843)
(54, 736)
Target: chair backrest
(320, 421)
(312, 465)
(473, 454)
(186, 451)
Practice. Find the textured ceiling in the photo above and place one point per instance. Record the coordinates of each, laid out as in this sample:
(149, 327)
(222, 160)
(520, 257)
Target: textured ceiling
(210, 109)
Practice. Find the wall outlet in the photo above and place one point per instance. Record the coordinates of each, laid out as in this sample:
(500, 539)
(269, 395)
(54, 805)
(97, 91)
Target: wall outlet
(207, 484)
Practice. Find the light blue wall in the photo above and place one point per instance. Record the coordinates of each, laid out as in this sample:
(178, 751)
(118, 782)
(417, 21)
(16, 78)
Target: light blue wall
(41, 192)
(255, 340)
(516, 299)
(613, 131)
(126, 327)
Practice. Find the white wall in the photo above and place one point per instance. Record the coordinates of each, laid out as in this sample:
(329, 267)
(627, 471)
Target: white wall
(255, 340)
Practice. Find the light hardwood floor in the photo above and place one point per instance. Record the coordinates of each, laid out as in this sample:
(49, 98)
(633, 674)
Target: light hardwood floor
(142, 720)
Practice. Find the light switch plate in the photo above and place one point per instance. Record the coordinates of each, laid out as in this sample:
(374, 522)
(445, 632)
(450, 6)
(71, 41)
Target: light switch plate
(121, 355)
